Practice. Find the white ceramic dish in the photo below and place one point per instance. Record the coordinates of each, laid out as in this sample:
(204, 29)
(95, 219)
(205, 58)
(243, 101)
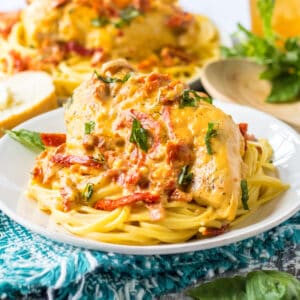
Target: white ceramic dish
(16, 163)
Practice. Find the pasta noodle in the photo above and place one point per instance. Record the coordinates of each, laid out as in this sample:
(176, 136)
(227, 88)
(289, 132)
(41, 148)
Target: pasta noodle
(39, 41)
(105, 184)
(182, 220)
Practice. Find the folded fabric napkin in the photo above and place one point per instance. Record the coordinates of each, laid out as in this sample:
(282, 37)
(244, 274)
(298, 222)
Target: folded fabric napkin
(34, 267)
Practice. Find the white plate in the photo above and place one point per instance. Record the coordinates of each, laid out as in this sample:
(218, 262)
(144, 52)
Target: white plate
(16, 163)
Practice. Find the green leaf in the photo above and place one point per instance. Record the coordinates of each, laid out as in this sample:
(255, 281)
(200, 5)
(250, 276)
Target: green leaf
(185, 177)
(284, 89)
(272, 285)
(100, 158)
(245, 194)
(271, 72)
(211, 132)
(257, 285)
(282, 64)
(89, 127)
(112, 79)
(266, 8)
(100, 21)
(126, 16)
(191, 98)
(221, 289)
(292, 44)
(29, 139)
(88, 191)
(139, 135)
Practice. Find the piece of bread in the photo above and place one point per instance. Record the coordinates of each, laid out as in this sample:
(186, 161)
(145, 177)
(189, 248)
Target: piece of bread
(25, 95)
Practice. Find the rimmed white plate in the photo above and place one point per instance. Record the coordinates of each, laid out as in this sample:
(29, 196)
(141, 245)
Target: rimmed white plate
(16, 163)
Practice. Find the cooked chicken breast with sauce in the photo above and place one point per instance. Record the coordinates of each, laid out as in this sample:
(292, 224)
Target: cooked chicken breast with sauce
(177, 137)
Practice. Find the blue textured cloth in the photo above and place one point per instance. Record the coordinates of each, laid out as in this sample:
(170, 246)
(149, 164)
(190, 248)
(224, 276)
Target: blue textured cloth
(34, 267)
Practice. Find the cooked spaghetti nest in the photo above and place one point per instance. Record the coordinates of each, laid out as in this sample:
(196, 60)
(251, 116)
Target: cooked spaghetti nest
(148, 161)
(70, 38)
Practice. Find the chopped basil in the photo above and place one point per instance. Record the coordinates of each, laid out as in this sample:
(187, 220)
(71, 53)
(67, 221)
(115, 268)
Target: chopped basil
(89, 127)
(139, 135)
(185, 177)
(100, 158)
(126, 16)
(112, 79)
(88, 191)
(245, 194)
(100, 21)
(211, 132)
(191, 98)
(29, 139)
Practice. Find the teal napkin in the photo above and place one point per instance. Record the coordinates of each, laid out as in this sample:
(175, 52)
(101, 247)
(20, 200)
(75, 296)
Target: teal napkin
(34, 267)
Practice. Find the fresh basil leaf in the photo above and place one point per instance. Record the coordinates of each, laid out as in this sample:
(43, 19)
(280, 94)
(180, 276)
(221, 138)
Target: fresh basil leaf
(89, 127)
(257, 285)
(100, 21)
(292, 44)
(282, 64)
(139, 135)
(272, 285)
(191, 98)
(88, 191)
(126, 16)
(185, 177)
(245, 194)
(29, 139)
(271, 72)
(284, 89)
(211, 132)
(112, 79)
(221, 289)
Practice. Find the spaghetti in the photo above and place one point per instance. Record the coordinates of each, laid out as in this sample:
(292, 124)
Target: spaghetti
(148, 161)
(69, 39)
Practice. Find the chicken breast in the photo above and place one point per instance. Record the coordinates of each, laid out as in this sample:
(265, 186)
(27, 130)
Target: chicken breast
(156, 135)
(97, 24)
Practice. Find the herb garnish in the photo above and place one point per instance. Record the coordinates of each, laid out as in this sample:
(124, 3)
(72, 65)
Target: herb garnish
(139, 135)
(100, 158)
(112, 79)
(100, 21)
(88, 191)
(191, 98)
(185, 177)
(126, 16)
(29, 139)
(262, 284)
(89, 127)
(211, 132)
(245, 194)
(282, 64)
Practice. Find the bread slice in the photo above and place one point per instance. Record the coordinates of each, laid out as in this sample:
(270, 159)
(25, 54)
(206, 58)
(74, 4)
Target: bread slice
(25, 95)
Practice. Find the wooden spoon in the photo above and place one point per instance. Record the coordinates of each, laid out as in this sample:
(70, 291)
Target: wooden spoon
(237, 80)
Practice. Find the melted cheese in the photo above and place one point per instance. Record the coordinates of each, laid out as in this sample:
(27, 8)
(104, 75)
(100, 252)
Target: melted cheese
(144, 35)
(112, 107)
